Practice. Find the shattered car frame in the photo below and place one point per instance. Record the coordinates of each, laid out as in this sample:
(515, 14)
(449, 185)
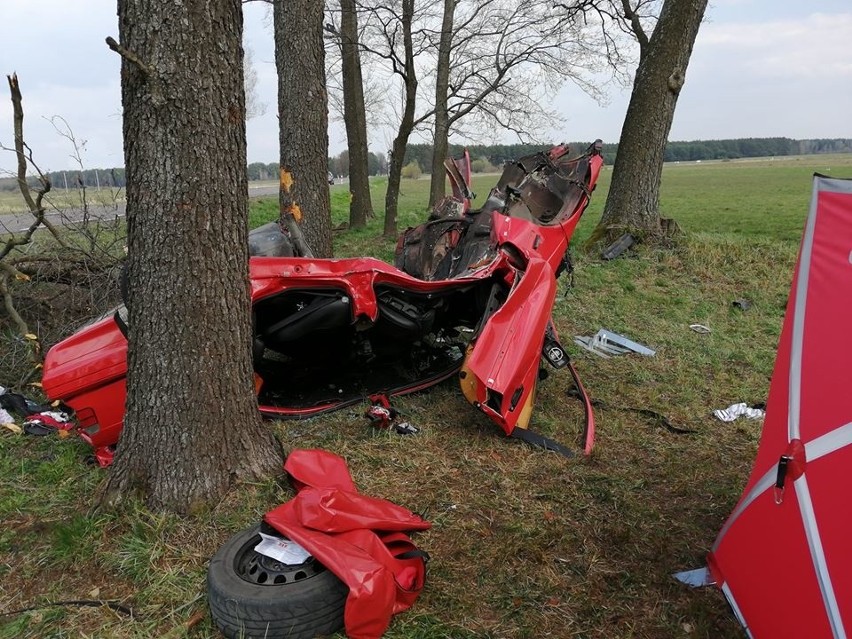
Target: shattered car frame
(471, 295)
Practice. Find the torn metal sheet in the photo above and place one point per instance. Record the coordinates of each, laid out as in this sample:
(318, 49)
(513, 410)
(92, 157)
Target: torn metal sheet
(606, 344)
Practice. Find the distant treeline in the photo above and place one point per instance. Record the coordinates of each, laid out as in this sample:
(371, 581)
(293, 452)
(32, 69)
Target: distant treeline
(493, 155)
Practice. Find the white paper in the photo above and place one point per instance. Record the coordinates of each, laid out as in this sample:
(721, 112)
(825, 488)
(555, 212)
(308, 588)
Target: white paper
(284, 550)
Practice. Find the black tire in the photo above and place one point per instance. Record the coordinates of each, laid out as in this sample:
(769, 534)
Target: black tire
(307, 602)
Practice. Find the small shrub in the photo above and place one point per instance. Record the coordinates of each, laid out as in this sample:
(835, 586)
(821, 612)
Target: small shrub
(412, 171)
(482, 165)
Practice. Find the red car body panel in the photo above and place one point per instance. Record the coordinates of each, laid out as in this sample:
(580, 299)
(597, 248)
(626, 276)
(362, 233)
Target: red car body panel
(527, 244)
(505, 358)
(87, 371)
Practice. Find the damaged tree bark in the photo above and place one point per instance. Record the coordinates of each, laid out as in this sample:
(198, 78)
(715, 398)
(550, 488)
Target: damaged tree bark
(191, 426)
(303, 119)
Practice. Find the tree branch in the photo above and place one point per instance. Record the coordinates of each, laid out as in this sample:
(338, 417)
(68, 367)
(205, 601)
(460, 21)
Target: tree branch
(147, 70)
(129, 56)
(635, 24)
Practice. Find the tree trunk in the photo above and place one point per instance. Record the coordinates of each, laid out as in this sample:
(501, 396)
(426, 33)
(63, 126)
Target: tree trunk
(191, 424)
(406, 125)
(355, 117)
(303, 118)
(442, 116)
(634, 194)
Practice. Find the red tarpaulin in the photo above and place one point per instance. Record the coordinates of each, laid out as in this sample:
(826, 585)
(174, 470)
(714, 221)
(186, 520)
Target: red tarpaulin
(360, 539)
(784, 557)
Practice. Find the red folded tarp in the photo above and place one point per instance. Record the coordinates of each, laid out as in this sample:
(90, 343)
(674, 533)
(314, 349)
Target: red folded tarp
(360, 539)
(783, 558)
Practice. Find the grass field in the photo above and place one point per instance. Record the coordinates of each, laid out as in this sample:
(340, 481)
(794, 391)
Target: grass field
(58, 198)
(524, 544)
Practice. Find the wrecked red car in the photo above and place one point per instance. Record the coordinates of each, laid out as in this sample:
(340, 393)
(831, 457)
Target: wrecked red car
(470, 295)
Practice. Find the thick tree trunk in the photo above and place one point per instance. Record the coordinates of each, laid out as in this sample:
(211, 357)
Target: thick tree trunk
(355, 117)
(633, 201)
(192, 424)
(406, 125)
(442, 116)
(303, 118)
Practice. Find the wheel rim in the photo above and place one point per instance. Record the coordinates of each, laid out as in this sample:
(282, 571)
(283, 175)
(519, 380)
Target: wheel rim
(259, 569)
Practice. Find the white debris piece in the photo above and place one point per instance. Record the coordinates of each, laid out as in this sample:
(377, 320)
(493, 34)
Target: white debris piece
(734, 411)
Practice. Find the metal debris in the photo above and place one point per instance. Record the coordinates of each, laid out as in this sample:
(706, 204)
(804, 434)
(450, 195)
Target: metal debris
(700, 328)
(606, 344)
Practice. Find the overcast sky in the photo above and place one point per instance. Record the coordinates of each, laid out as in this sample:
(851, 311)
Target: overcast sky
(759, 69)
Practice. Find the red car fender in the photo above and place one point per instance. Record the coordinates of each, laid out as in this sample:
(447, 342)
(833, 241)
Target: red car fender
(504, 360)
(358, 538)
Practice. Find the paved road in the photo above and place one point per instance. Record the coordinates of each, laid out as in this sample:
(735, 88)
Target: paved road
(19, 222)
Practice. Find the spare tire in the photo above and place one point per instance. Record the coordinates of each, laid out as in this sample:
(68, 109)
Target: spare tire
(254, 596)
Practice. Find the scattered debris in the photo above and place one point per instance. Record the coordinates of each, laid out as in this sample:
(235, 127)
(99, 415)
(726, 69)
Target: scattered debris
(406, 428)
(697, 578)
(47, 422)
(383, 415)
(700, 328)
(606, 344)
(742, 304)
(18, 403)
(5, 417)
(618, 247)
(657, 418)
(742, 409)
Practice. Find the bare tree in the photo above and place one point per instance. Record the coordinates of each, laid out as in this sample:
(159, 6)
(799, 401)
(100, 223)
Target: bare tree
(191, 425)
(499, 63)
(634, 194)
(396, 41)
(254, 107)
(303, 120)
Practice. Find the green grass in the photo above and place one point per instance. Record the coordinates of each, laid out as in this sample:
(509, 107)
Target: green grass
(524, 544)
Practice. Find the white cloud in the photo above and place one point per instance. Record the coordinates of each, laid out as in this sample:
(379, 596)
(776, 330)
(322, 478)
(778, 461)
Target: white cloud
(817, 45)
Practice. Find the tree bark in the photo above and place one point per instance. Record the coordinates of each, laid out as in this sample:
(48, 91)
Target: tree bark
(406, 125)
(441, 141)
(303, 118)
(191, 425)
(355, 117)
(634, 194)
